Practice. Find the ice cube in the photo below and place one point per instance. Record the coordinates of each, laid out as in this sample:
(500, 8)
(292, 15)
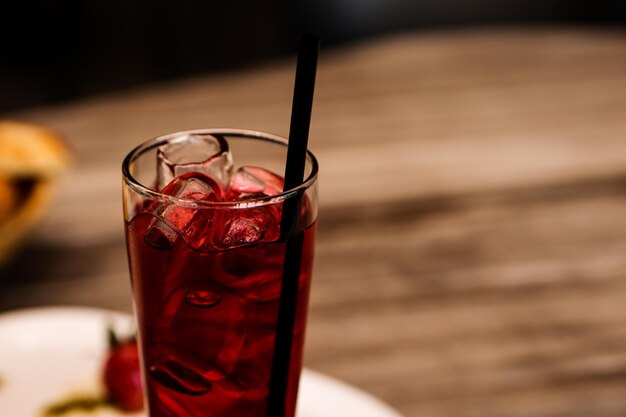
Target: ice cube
(203, 339)
(172, 219)
(243, 184)
(253, 368)
(204, 153)
(203, 299)
(255, 274)
(263, 294)
(274, 183)
(177, 377)
(160, 235)
(246, 226)
(252, 182)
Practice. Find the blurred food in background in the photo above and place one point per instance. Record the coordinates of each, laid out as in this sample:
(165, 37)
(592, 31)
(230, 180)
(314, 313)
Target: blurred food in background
(31, 159)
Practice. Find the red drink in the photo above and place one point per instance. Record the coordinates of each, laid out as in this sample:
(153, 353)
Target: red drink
(206, 283)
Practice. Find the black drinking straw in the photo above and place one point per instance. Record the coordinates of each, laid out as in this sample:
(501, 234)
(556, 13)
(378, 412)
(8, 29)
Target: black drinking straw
(294, 175)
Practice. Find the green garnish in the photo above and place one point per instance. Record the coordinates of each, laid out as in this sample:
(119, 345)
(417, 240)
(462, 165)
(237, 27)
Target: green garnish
(112, 337)
(75, 404)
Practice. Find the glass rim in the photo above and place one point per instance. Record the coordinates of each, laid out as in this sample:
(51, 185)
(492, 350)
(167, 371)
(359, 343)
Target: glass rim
(155, 142)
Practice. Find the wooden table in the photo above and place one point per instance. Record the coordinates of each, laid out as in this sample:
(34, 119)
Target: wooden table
(472, 250)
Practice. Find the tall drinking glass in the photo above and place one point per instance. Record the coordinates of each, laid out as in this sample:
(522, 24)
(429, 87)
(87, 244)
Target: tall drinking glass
(206, 255)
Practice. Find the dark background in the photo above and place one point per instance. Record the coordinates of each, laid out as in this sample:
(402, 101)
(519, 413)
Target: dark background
(54, 51)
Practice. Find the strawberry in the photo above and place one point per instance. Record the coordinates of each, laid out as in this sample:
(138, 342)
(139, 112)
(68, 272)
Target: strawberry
(122, 377)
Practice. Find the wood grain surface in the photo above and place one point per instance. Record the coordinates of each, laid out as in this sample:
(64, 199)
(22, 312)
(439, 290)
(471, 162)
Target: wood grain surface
(471, 260)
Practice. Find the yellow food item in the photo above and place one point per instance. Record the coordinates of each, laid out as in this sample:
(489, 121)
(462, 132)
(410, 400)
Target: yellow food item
(29, 150)
(31, 158)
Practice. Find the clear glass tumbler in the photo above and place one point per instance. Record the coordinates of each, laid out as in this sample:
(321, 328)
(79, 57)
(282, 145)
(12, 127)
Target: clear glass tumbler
(206, 255)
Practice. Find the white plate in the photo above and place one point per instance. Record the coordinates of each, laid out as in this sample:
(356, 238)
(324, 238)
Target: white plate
(47, 353)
